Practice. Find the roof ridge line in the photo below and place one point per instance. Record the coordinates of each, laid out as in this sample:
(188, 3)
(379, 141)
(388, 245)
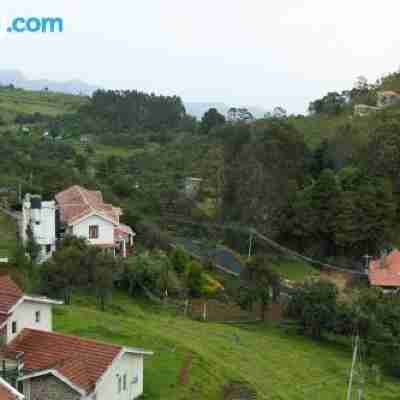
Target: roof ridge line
(73, 337)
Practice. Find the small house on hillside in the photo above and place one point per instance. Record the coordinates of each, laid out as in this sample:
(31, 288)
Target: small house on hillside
(79, 212)
(192, 186)
(43, 364)
(387, 98)
(385, 272)
(83, 213)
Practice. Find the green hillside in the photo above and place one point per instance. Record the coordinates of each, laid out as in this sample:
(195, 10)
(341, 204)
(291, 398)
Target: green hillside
(18, 101)
(195, 360)
(7, 235)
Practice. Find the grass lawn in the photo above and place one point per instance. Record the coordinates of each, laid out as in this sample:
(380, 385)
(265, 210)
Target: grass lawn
(277, 365)
(294, 270)
(8, 231)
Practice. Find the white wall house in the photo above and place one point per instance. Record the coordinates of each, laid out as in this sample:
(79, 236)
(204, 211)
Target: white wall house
(40, 216)
(124, 379)
(98, 230)
(84, 214)
(30, 312)
(55, 366)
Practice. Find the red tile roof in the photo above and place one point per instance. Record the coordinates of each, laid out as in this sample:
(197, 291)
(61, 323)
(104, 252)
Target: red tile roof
(387, 274)
(78, 202)
(81, 361)
(7, 392)
(10, 293)
(122, 232)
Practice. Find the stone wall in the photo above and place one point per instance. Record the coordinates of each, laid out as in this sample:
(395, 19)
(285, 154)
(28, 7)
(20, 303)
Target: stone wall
(50, 388)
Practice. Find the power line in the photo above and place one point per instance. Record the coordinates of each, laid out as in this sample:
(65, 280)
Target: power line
(254, 233)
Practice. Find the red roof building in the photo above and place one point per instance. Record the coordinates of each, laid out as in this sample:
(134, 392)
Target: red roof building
(83, 213)
(77, 202)
(52, 365)
(386, 271)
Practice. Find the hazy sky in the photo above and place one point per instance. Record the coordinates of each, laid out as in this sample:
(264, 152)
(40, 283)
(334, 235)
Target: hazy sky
(252, 52)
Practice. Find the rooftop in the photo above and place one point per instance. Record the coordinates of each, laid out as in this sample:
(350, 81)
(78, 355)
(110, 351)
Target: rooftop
(77, 202)
(386, 274)
(81, 361)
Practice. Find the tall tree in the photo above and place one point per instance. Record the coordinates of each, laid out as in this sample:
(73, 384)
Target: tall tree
(259, 285)
(211, 119)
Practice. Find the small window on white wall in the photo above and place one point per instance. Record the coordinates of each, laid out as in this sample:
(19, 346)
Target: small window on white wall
(119, 383)
(14, 327)
(93, 232)
(37, 316)
(124, 383)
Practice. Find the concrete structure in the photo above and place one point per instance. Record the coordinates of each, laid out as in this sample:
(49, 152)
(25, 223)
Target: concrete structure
(192, 186)
(40, 217)
(52, 366)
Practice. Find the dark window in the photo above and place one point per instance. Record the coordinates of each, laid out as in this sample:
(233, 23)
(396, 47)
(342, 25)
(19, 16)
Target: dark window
(124, 382)
(93, 232)
(20, 387)
(14, 327)
(48, 248)
(37, 316)
(119, 383)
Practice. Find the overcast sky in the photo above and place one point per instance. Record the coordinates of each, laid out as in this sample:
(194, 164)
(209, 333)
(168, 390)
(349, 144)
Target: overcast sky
(241, 52)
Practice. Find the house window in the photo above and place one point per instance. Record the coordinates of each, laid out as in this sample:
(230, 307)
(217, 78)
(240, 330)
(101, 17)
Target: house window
(124, 383)
(14, 327)
(119, 383)
(93, 232)
(48, 248)
(37, 316)
(20, 386)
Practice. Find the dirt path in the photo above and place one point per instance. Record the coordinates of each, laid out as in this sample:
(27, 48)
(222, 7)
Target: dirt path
(185, 370)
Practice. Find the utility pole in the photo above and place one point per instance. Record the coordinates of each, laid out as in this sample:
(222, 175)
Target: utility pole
(353, 364)
(251, 239)
(367, 258)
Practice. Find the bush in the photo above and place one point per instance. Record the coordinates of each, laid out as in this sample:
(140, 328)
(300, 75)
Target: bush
(314, 306)
(195, 280)
(179, 260)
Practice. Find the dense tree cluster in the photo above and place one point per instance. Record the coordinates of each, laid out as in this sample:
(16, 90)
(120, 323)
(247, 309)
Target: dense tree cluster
(369, 313)
(339, 200)
(120, 111)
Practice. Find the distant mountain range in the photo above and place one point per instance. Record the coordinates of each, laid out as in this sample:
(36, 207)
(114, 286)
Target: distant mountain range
(77, 87)
(18, 79)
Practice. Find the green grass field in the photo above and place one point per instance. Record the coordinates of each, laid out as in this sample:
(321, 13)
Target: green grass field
(18, 101)
(8, 231)
(294, 270)
(277, 365)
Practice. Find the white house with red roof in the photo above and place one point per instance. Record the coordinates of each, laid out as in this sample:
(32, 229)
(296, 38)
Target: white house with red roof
(44, 364)
(83, 213)
(385, 272)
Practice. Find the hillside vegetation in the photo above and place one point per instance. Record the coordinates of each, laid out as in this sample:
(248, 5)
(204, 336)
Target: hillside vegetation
(278, 365)
(8, 235)
(18, 101)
